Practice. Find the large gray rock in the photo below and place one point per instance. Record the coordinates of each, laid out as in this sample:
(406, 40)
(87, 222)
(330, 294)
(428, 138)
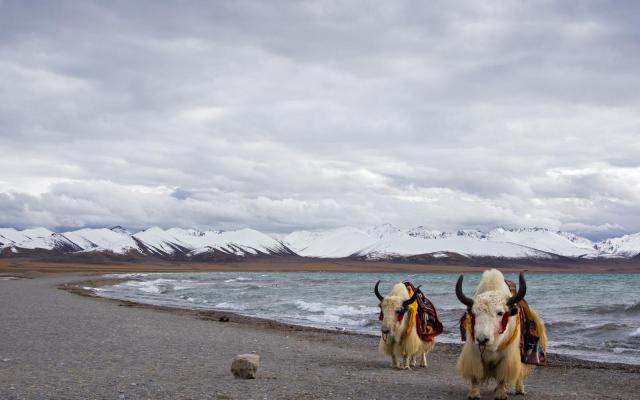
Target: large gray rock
(245, 366)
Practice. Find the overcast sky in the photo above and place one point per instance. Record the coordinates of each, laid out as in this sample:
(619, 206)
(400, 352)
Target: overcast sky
(286, 115)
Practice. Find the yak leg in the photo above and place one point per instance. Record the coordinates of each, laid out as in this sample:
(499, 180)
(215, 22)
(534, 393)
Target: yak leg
(394, 361)
(414, 360)
(474, 392)
(405, 362)
(520, 387)
(424, 360)
(501, 391)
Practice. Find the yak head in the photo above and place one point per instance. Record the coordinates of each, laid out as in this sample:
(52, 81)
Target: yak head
(393, 311)
(491, 308)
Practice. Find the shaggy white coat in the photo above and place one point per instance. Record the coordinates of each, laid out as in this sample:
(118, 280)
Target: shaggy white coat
(479, 365)
(403, 350)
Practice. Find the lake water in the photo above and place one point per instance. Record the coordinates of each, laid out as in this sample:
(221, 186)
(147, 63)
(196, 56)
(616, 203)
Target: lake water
(589, 316)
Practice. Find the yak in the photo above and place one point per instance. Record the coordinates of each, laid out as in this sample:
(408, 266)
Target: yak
(492, 347)
(400, 338)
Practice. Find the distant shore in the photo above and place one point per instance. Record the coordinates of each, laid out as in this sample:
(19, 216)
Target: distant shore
(299, 264)
(57, 344)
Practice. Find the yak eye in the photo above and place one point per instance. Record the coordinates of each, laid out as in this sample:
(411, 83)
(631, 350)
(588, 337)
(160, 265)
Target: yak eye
(500, 313)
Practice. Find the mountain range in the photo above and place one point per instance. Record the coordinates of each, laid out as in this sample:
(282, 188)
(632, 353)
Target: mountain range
(382, 242)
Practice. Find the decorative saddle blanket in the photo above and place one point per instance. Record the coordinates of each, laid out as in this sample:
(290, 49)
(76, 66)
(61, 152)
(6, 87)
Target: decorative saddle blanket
(531, 352)
(428, 324)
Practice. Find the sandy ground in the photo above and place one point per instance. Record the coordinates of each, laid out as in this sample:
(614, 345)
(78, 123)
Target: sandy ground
(57, 345)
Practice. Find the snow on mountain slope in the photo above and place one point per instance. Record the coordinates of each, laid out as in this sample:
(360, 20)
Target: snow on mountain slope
(161, 242)
(625, 246)
(251, 239)
(300, 240)
(32, 239)
(11, 235)
(387, 240)
(178, 240)
(116, 240)
(424, 233)
(240, 242)
(384, 231)
(545, 240)
(464, 245)
(336, 243)
(170, 242)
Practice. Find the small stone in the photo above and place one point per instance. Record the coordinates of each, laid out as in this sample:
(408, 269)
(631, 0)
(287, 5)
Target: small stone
(245, 366)
(6, 359)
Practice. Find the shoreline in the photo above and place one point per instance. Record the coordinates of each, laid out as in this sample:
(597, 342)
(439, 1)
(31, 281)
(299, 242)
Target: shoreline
(77, 288)
(296, 264)
(60, 345)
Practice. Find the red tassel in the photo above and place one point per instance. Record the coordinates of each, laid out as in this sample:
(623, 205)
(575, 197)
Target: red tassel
(381, 316)
(505, 321)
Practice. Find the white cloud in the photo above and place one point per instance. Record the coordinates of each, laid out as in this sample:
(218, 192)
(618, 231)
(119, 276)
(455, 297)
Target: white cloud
(307, 115)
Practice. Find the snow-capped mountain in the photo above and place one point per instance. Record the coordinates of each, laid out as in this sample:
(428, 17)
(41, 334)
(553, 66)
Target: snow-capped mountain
(116, 240)
(379, 242)
(386, 241)
(625, 246)
(174, 242)
(335, 243)
(346, 242)
(560, 243)
(38, 238)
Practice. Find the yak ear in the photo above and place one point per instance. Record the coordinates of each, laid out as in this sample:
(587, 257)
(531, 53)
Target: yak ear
(513, 311)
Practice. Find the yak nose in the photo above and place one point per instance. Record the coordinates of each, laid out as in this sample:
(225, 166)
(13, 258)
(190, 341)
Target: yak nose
(482, 340)
(385, 330)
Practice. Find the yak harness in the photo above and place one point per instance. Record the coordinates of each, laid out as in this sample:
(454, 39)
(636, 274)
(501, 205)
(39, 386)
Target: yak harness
(424, 315)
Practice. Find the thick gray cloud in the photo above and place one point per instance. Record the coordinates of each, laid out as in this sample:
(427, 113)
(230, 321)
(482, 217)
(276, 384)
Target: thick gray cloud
(287, 115)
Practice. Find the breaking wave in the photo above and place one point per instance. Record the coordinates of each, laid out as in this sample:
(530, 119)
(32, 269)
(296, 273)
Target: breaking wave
(238, 279)
(156, 286)
(611, 308)
(634, 308)
(345, 310)
(230, 306)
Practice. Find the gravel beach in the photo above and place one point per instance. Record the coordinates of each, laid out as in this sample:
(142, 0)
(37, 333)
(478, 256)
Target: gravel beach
(55, 344)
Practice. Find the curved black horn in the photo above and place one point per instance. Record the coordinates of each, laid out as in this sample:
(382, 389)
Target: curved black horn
(463, 299)
(413, 298)
(522, 290)
(375, 290)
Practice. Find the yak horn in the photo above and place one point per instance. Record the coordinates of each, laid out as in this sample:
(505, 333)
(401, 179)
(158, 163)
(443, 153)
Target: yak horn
(463, 299)
(375, 290)
(413, 298)
(522, 290)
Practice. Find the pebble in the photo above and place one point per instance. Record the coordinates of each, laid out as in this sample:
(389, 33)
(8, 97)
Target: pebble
(245, 366)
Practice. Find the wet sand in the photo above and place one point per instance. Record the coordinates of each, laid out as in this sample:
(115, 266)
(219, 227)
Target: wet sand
(58, 345)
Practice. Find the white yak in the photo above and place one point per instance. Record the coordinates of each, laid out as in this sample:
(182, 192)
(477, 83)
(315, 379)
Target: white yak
(492, 348)
(400, 338)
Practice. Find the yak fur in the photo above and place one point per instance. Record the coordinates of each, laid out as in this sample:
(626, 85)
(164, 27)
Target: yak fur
(478, 364)
(404, 350)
